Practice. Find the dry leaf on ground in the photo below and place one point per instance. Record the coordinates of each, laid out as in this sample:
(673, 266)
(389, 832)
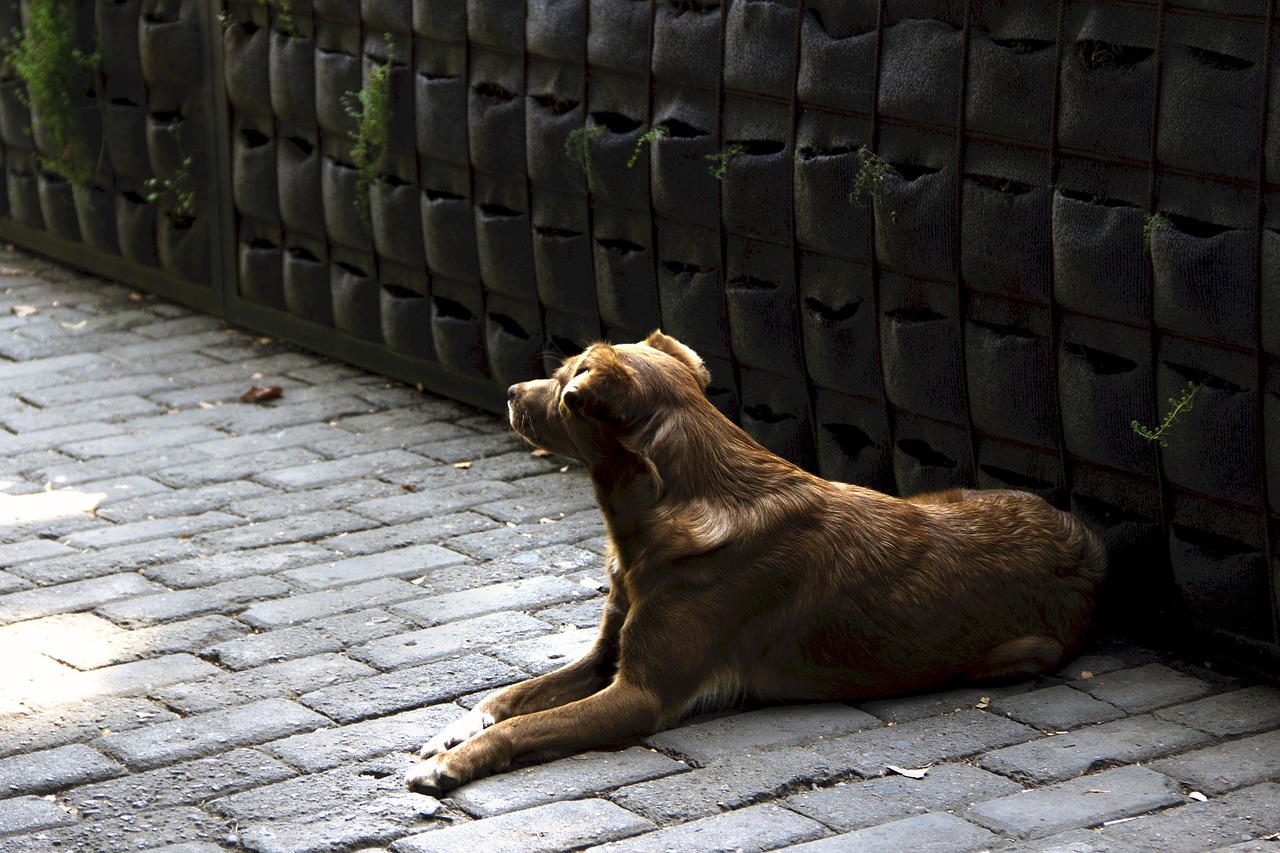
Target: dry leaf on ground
(258, 394)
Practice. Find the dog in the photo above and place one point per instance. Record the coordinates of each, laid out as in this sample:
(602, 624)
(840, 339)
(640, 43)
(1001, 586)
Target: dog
(735, 574)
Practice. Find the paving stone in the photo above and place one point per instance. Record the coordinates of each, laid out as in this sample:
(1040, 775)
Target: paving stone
(507, 540)
(1225, 766)
(1144, 688)
(442, 681)
(87, 641)
(1240, 712)
(141, 531)
(73, 472)
(434, 501)
(288, 678)
(375, 822)
(584, 614)
(313, 794)
(1077, 841)
(1083, 802)
(754, 828)
(1125, 741)
(731, 783)
(59, 417)
(525, 594)
(242, 420)
(1270, 845)
(476, 449)
(317, 605)
(209, 734)
(212, 569)
(847, 806)
(146, 830)
(190, 783)
(53, 769)
(169, 606)
(1056, 708)
(416, 647)
(136, 441)
(12, 583)
(319, 473)
(543, 829)
(928, 741)
(306, 527)
(199, 472)
(274, 504)
(17, 553)
(532, 509)
(291, 436)
(403, 437)
(936, 832)
(55, 437)
(168, 503)
(25, 369)
(1240, 815)
(67, 597)
(906, 708)
(126, 679)
(352, 629)
(31, 814)
(325, 749)
(391, 537)
(582, 775)
(46, 730)
(124, 558)
(403, 563)
(553, 650)
(768, 728)
(282, 644)
(82, 392)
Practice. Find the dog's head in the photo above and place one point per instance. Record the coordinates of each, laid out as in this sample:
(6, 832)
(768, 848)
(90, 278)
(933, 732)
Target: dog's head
(606, 395)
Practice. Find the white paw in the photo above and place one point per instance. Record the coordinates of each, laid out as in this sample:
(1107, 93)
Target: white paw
(465, 727)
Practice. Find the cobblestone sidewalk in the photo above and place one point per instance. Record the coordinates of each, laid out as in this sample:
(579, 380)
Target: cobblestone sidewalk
(223, 626)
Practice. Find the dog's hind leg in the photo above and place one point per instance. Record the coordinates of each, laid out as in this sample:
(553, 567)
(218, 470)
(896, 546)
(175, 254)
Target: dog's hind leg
(1018, 659)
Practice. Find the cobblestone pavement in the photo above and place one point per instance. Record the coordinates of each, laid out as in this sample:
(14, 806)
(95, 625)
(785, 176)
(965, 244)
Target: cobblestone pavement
(224, 625)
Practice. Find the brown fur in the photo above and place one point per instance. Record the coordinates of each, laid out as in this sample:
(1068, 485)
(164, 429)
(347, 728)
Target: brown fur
(736, 574)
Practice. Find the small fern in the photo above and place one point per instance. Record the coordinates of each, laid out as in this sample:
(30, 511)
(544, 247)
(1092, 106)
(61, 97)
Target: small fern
(1180, 404)
(578, 144)
(720, 160)
(54, 70)
(179, 190)
(371, 110)
(652, 135)
(1151, 223)
(869, 179)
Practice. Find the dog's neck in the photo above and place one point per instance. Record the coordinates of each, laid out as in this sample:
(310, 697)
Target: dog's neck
(687, 465)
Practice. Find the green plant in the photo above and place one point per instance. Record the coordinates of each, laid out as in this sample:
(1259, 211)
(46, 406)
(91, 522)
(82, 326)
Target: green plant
(1151, 223)
(179, 189)
(869, 179)
(371, 110)
(651, 135)
(1181, 403)
(54, 70)
(285, 18)
(578, 144)
(720, 160)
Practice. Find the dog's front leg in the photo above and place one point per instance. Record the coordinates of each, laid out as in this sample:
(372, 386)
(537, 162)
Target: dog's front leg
(589, 674)
(619, 712)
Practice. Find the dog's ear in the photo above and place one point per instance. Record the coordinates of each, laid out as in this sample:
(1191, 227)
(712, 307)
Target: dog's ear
(680, 353)
(598, 385)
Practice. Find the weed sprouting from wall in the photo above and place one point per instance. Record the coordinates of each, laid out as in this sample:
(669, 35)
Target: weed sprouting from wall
(720, 160)
(651, 135)
(371, 110)
(1180, 404)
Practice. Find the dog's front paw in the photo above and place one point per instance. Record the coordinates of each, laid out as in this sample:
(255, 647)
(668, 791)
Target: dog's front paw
(465, 727)
(431, 777)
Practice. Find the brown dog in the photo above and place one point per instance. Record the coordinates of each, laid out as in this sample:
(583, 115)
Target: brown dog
(735, 573)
